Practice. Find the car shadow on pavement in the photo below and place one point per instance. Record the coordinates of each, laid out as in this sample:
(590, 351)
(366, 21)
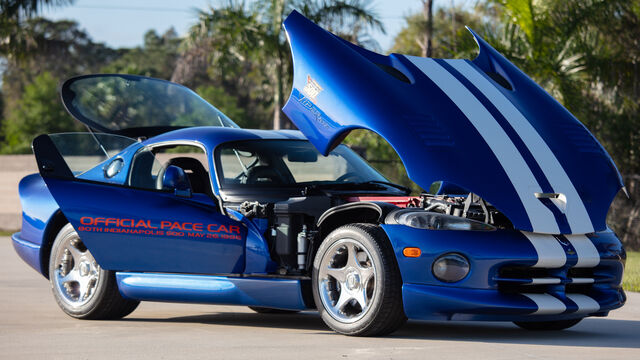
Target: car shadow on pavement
(302, 321)
(592, 332)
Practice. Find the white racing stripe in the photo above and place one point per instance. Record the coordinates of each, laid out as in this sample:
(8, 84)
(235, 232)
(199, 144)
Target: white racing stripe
(550, 252)
(576, 213)
(582, 280)
(585, 303)
(544, 281)
(588, 255)
(541, 218)
(547, 304)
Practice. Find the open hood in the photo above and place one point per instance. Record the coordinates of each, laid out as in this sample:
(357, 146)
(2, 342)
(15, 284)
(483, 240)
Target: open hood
(482, 125)
(136, 106)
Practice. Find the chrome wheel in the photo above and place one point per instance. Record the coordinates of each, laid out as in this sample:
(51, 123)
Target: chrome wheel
(76, 274)
(346, 280)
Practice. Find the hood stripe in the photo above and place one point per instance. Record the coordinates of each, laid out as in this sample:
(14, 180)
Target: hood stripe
(576, 213)
(588, 255)
(586, 304)
(547, 304)
(512, 162)
(528, 157)
(550, 252)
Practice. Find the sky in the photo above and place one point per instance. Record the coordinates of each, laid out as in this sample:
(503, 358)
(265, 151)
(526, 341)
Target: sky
(122, 23)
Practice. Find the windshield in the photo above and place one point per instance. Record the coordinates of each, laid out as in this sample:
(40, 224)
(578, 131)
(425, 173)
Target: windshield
(117, 103)
(289, 163)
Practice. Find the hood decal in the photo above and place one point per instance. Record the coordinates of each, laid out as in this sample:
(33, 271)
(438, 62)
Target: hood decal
(482, 125)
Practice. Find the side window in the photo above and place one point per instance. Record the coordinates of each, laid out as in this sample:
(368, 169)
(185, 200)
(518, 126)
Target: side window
(84, 151)
(149, 165)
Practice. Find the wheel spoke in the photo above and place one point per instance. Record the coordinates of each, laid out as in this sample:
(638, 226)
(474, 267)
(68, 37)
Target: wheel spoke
(338, 274)
(344, 298)
(75, 253)
(361, 297)
(352, 256)
(71, 276)
(366, 273)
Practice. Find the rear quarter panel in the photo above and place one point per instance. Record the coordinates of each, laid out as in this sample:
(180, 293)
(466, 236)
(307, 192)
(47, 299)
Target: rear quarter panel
(38, 210)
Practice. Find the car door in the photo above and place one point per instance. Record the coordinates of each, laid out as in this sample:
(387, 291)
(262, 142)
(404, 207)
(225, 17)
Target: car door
(132, 223)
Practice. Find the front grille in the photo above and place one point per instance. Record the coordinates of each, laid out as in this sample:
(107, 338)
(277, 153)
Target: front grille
(524, 279)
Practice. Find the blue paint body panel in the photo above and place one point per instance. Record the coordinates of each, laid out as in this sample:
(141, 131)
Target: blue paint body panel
(150, 251)
(28, 251)
(339, 87)
(477, 296)
(429, 302)
(273, 293)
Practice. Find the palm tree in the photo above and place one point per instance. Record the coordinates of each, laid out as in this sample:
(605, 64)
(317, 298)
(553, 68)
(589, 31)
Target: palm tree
(237, 34)
(14, 41)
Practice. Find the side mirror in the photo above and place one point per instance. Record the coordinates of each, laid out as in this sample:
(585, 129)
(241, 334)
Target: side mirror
(175, 178)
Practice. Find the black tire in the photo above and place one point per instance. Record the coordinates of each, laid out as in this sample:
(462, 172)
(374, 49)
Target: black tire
(547, 325)
(384, 311)
(264, 310)
(104, 301)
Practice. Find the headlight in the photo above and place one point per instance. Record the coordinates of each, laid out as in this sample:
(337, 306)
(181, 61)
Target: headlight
(421, 219)
(450, 267)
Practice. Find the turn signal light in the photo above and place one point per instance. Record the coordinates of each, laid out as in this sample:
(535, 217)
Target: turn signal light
(411, 252)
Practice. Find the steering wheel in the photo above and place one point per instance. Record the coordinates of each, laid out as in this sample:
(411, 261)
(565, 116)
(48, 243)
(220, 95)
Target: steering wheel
(348, 176)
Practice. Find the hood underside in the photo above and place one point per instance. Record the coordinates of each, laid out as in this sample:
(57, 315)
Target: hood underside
(482, 125)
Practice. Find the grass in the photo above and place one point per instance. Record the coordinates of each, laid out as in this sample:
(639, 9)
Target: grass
(7, 232)
(631, 280)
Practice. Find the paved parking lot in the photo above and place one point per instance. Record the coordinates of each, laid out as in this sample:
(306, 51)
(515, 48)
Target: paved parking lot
(32, 326)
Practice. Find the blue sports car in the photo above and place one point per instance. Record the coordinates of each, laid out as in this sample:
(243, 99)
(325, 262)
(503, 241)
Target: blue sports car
(166, 199)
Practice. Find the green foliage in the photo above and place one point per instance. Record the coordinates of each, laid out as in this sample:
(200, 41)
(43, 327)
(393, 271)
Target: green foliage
(226, 103)
(377, 151)
(244, 50)
(38, 111)
(450, 37)
(15, 39)
(631, 280)
(156, 58)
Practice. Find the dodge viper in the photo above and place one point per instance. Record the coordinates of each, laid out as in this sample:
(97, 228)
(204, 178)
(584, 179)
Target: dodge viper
(166, 199)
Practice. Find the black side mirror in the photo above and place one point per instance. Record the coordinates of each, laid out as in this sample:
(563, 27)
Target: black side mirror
(175, 178)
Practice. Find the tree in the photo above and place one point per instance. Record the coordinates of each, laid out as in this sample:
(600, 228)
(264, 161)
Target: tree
(15, 42)
(38, 111)
(427, 6)
(450, 39)
(155, 58)
(249, 41)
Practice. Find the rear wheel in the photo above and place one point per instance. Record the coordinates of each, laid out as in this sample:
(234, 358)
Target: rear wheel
(547, 325)
(356, 282)
(81, 288)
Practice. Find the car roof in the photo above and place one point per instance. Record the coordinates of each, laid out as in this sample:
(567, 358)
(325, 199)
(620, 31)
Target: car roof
(212, 136)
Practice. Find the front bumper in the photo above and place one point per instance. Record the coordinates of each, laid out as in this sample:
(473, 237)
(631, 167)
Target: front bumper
(512, 277)
(427, 302)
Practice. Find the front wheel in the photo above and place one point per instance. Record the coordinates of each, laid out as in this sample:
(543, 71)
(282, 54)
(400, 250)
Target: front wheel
(80, 286)
(547, 325)
(356, 282)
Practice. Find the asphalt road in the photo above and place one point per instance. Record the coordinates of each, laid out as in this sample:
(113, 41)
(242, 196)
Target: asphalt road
(32, 326)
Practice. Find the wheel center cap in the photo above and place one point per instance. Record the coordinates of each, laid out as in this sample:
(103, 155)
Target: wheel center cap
(85, 267)
(353, 281)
